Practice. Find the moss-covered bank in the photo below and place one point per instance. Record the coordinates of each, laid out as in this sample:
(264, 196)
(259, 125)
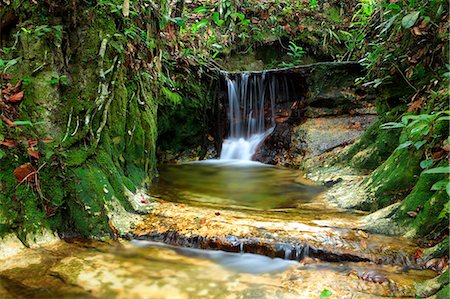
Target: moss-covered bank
(94, 90)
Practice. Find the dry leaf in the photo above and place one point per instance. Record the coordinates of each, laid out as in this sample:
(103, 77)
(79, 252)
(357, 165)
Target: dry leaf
(25, 171)
(126, 8)
(16, 98)
(33, 153)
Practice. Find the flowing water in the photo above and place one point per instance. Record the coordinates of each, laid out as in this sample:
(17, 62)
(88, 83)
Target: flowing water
(235, 203)
(251, 111)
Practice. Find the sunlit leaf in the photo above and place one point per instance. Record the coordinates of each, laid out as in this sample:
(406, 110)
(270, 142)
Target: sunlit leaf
(410, 19)
(445, 169)
(392, 125)
(325, 293)
(426, 163)
(404, 144)
(441, 185)
(419, 144)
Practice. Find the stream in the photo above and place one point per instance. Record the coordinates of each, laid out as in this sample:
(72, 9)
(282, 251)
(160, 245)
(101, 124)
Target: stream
(208, 238)
(228, 228)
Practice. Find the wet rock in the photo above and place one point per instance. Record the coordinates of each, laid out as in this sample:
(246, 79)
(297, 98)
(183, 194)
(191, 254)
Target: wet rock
(331, 183)
(433, 286)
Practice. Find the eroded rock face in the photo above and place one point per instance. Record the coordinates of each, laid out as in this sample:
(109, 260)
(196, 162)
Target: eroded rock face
(292, 144)
(291, 238)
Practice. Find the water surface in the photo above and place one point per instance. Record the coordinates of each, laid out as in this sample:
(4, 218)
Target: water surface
(233, 183)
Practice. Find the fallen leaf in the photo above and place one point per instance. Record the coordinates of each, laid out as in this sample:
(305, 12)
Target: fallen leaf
(48, 140)
(412, 214)
(415, 106)
(416, 31)
(33, 153)
(16, 98)
(31, 143)
(7, 121)
(10, 143)
(418, 254)
(25, 171)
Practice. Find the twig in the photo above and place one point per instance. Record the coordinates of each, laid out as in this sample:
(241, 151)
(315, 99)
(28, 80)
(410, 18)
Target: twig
(76, 128)
(416, 90)
(68, 125)
(7, 121)
(30, 174)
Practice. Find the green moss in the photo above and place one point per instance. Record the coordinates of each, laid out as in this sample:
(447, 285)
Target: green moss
(375, 145)
(437, 286)
(393, 179)
(444, 292)
(439, 250)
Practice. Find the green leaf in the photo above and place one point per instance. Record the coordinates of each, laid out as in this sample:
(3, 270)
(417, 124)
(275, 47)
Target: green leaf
(23, 123)
(325, 293)
(443, 118)
(445, 211)
(216, 18)
(2, 154)
(441, 185)
(419, 144)
(410, 19)
(201, 24)
(404, 144)
(392, 125)
(241, 16)
(201, 9)
(426, 163)
(445, 169)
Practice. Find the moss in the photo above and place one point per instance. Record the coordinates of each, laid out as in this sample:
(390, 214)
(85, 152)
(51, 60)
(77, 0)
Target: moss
(437, 286)
(76, 157)
(443, 293)
(74, 181)
(393, 179)
(439, 250)
(430, 203)
(375, 145)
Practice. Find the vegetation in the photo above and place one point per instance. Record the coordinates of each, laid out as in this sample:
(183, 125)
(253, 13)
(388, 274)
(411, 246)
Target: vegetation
(88, 86)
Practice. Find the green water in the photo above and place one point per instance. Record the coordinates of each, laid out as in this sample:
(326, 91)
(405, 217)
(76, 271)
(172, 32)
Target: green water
(233, 183)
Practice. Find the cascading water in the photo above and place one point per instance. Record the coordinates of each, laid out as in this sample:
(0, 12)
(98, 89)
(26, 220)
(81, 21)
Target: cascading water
(250, 95)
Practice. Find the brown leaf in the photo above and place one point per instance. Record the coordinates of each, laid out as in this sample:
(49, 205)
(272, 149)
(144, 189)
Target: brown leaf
(418, 254)
(10, 89)
(437, 264)
(416, 31)
(7, 120)
(440, 153)
(415, 106)
(126, 8)
(33, 153)
(412, 214)
(10, 143)
(16, 98)
(32, 143)
(25, 171)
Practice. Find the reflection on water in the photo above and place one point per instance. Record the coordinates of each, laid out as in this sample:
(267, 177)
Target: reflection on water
(239, 262)
(233, 182)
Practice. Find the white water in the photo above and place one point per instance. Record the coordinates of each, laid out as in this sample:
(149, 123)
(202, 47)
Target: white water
(241, 148)
(246, 113)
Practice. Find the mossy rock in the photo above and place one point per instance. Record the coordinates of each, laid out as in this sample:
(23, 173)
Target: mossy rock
(375, 145)
(392, 180)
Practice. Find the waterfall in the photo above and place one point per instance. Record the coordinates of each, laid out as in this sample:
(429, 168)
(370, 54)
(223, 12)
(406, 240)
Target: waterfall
(250, 96)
